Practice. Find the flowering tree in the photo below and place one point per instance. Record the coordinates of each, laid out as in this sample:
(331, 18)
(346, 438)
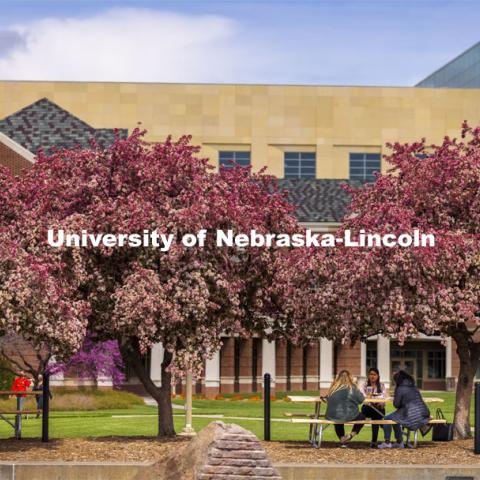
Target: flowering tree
(184, 297)
(39, 308)
(94, 360)
(406, 291)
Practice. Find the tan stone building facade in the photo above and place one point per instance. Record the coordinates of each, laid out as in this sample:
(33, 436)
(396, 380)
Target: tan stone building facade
(314, 137)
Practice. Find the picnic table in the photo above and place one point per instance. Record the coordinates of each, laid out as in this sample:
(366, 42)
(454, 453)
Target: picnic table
(320, 399)
(316, 424)
(17, 424)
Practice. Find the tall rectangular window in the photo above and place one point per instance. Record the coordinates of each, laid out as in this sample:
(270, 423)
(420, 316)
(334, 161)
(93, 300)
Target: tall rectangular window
(299, 165)
(362, 166)
(227, 159)
(436, 364)
(371, 355)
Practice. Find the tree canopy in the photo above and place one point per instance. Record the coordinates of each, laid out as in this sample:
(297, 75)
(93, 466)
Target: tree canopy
(184, 297)
(402, 292)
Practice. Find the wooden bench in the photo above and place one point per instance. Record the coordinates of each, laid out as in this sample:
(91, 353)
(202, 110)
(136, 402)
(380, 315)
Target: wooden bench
(316, 437)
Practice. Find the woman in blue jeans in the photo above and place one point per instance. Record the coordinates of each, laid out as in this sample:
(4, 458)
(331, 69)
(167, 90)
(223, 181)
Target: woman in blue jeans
(411, 413)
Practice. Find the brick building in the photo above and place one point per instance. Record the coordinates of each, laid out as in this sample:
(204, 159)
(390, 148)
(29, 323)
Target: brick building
(312, 138)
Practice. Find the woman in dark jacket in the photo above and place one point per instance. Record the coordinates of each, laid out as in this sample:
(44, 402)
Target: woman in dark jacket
(411, 413)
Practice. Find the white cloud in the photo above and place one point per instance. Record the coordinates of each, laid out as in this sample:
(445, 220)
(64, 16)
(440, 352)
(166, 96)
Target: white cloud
(125, 45)
(317, 43)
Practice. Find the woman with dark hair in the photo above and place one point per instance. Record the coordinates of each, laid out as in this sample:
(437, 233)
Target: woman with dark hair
(374, 388)
(411, 412)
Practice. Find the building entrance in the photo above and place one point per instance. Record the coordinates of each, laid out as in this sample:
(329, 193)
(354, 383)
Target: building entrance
(410, 360)
(407, 364)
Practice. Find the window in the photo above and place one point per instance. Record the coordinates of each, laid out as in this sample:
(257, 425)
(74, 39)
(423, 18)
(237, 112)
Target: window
(226, 159)
(299, 165)
(371, 355)
(436, 364)
(362, 166)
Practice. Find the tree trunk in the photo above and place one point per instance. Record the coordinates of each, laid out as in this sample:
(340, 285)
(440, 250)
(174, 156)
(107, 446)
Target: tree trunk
(468, 353)
(131, 354)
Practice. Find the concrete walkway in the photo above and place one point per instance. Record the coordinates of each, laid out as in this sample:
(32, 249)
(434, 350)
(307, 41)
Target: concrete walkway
(214, 416)
(152, 403)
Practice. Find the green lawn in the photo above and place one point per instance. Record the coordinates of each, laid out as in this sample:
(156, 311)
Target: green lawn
(141, 420)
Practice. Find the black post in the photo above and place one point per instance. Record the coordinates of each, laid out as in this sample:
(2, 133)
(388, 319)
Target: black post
(18, 418)
(477, 417)
(266, 403)
(46, 406)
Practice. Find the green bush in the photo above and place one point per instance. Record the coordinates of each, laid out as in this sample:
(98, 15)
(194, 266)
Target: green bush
(6, 377)
(82, 399)
(92, 399)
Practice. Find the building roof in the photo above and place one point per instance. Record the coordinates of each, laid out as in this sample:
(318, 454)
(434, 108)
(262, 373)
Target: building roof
(461, 72)
(44, 124)
(318, 200)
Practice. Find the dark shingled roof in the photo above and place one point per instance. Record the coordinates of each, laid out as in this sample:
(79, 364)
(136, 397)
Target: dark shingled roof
(44, 124)
(318, 200)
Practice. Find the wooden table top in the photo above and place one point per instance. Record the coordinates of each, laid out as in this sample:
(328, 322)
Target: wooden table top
(305, 399)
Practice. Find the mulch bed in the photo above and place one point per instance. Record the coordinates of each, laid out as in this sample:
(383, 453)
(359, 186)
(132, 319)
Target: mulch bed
(148, 449)
(458, 452)
(105, 449)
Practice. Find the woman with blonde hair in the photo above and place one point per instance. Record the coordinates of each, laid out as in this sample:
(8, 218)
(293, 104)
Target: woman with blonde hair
(343, 401)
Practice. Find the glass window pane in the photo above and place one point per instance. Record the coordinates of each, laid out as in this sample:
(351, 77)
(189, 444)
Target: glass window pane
(292, 163)
(299, 164)
(308, 163)
(308, 175)
(228, 158)
(356, 163)
(226, 163)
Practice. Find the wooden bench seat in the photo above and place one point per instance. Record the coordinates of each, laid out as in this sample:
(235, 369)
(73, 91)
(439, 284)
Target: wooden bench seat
(357, 422)
(319, 424)
(20, 412)
(301, 415)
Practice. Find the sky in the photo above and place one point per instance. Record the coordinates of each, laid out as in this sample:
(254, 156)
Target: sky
(322, 42)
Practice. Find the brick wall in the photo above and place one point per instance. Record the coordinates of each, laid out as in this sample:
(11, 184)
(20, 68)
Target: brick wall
(245, 377)
(12, 160)
(313, 366)
(227, 365)
(348, 358)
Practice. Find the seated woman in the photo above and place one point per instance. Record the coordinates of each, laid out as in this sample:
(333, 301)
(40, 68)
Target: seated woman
(344, 397)
(373, 388)
(411, 412)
